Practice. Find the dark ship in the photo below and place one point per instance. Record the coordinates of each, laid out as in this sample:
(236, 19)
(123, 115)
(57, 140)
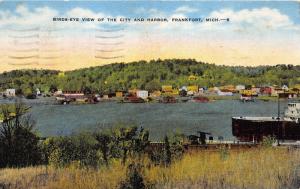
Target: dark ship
(253, 129)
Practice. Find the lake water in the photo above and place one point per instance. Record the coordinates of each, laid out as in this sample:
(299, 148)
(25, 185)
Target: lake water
(160, 119)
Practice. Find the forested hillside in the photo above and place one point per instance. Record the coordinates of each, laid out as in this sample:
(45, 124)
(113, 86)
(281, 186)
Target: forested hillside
(148, 75)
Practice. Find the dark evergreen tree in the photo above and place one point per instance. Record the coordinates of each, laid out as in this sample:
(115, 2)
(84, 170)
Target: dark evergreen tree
(167, 152)
(134, 178)
(104, 141)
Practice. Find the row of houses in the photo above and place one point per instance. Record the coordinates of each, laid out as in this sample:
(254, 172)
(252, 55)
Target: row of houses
(9, 92)
(12, 92)
(274, 90)
(169, 90)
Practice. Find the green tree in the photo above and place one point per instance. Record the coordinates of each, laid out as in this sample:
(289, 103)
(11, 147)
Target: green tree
(126, 138)
(62, 151)
(141, 142)
(19, 145)
(153, 85)
(104, 140)
(167, 151)
(134, 178)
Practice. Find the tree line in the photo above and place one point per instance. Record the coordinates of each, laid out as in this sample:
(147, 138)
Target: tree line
(147, 75)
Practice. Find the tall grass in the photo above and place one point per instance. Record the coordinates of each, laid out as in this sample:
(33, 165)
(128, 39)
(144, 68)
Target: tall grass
(256, 168)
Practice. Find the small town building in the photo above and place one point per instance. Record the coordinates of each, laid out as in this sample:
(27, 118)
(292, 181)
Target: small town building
(288, 94)
(132, 92)
(105, 96)
(155, 94)
(167, 88)
(215, 89)
(285, 87)
(175, 92)
(38, 92)
(229, 88)
(193, 88)
(183, 88)
(10, 92)
(295, 90)
(119, 94)
(73, 93)
(248, 92)
(224, 93)
(142, 94)
(292, 95)
(255, 90)
(276, 91)
(266, 90)
(58, 92)
(240, 87)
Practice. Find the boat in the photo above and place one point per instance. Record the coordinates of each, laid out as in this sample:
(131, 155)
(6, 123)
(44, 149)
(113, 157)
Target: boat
(200, 99)
(185, 99)
(132, 99)
(168, 99)
(254, 129)
(60, 97)
(247, 98)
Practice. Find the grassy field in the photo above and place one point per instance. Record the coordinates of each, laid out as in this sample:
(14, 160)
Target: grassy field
(256, 168)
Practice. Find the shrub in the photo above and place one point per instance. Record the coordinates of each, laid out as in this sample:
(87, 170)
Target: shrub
(61, 151)
(224, 153)
(268, 141)
(134, 178)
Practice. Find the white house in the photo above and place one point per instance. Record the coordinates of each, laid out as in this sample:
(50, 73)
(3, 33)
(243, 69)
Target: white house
(183, 88)
(285, 87)
(240, 87)
(216, 89)
(190, 93)
(255, 90)
(59, 92)
(142, 94)
(10, 92)
(38, 92)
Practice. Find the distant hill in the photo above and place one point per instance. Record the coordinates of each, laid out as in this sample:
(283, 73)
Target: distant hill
(148, 75)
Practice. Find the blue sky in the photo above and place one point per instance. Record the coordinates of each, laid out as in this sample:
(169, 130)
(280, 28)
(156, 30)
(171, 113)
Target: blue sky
(290, 8)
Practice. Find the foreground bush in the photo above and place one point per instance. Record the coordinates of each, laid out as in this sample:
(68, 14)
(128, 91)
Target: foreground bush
(262, 168)
(19, 144)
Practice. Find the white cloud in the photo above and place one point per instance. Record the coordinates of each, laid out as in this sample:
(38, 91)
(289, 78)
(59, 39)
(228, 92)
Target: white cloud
(140, 10)
(150, 12)
(81, 12)
(42, 17)
(22, 10)
(37, 17)
(242, 20)
(261, 19)
(186, 9)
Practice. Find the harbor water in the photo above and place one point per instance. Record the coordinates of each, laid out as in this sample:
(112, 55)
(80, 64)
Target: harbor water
(160, 119)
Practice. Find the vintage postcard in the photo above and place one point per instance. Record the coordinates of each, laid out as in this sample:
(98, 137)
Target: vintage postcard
(149, 94)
